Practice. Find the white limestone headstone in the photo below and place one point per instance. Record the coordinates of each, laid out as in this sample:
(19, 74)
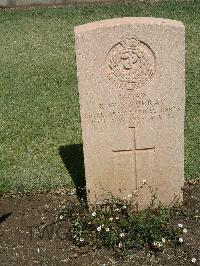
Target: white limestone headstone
(131, 89)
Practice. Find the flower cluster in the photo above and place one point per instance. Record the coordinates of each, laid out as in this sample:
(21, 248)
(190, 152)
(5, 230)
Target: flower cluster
(117, 224)
(182, 230)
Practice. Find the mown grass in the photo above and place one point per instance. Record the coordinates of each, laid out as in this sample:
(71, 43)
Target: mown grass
(39, 98)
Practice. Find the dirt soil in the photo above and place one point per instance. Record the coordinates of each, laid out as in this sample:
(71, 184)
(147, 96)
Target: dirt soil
(29, 234)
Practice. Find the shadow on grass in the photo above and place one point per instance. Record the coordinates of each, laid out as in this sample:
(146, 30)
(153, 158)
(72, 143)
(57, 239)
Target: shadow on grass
(72, 157)
(3, 217)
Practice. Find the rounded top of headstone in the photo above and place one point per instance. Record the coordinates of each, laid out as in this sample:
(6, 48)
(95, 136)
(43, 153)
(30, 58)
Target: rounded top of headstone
(127, 20)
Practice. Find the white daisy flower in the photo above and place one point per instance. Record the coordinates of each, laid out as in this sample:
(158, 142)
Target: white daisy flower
(117, 218)
(81, 239)
(124, 207)
(122, 235)
(99, 228)
(120, 245)
(180, 240)
(61, 217)
(107, 229)
(111, 219)
(180, 225)
(193, 260)
(184, 230)
(93, 214)
(163, 240)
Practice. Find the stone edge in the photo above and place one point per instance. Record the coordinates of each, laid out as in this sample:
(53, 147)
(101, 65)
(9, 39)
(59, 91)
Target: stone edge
(127, 20)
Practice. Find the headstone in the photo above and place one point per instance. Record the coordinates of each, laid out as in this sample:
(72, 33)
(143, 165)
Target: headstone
(131, 90)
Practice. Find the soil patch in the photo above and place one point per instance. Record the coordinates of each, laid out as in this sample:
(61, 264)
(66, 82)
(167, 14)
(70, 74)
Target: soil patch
(31, 233)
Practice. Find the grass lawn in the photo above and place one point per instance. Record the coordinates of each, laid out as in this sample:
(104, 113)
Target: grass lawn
(39, 115)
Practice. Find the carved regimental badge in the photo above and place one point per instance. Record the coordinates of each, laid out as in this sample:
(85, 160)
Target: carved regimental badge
(131, 63)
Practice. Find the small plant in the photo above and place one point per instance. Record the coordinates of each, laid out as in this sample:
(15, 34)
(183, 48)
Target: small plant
(118, 225)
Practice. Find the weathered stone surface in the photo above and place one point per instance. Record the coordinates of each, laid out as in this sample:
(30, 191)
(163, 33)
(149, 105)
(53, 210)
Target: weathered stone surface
(16, 3)
(20, 3)
(131, 88)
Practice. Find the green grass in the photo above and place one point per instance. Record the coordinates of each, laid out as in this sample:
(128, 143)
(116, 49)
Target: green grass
(38, 87)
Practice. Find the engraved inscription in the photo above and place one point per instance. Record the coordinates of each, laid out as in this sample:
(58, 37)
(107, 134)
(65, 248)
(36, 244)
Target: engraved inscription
(133, 108)
(131, 63)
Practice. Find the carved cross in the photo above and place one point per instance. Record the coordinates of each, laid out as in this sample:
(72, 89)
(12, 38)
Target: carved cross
(126, 161)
